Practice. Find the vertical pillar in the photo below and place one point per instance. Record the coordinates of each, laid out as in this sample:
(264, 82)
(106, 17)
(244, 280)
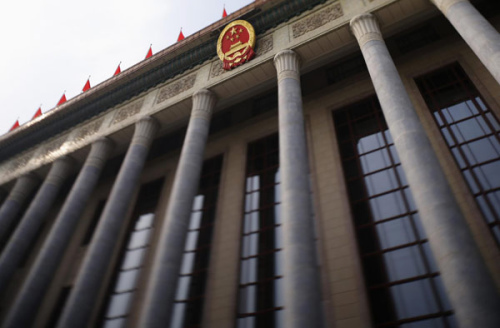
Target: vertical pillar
(164, 275)
(83, 297)
(477, 32)
(11, 207)
(32, 220)
(468, 283)
(303, 306)
(33, 290)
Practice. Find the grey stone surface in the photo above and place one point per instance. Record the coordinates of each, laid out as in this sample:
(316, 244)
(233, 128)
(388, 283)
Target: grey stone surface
(162, 283)
(30, 297)
(471, 290)
(32, 220)
(81, 302)
(14, 203)
(479, 34)
(301, 279)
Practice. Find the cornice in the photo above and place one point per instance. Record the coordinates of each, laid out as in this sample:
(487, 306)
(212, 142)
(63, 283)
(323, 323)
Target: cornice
(144, 76)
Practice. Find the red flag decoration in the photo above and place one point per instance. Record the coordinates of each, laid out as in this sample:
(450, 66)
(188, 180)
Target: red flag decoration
(181, 36)
(62, 100)
(87, 85)
(118, 70)
(15, 126)
(38, 113)
(224, 13)
(150, 52)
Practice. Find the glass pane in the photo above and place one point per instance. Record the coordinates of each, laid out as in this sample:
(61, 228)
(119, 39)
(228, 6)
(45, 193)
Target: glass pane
(114, 323)
(139, 239)
(248, 271)
(198, 202)
(370, 143)
(187, 263)
(404, 263)
(145, 221)
(250, 245)
(386, 206)
(381, 182)
(126, 280)
(395, 233)
(178, 315)
(375, 161)
(119, 305)
(247, 299)
(183, 288)
(192, 240)
(414, 299)
(195, 220)
(278, 293)
(133, 259)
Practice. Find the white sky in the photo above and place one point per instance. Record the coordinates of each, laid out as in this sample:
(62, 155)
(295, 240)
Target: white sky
(49, 46)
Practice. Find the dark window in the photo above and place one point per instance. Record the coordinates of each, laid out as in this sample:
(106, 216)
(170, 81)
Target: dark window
(472, 133)
(57, 310)
(188, 307)
(260, 287)
(404, 286)
(126, 276)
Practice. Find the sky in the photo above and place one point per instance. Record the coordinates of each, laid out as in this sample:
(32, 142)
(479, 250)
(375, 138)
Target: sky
(50, 47)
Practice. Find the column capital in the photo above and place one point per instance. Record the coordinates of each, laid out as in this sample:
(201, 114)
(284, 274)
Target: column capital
(203, 103)
(60, 169)
(287, 63)
(444, 5)
(24, 185)
(365, 28)
(145, 129)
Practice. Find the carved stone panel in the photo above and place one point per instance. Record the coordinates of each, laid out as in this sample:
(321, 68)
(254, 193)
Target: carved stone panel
(88, 130)
(264, 45)
(176, 88)
(216, 69)
(127, 111)
(317, 20)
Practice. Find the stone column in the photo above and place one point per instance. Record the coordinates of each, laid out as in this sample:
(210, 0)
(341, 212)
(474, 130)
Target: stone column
(468, 283)
(303, 306)
(11, 207)
(162, 283)
(477, 32)
(83, 297)
(30, 224)
(33, 290)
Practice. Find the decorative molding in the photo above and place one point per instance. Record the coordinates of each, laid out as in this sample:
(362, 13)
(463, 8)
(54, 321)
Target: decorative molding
(287, 60)
(365, 28)
(53, 147)
(127, 111)
(88, 130)
(176, 88)
(444, 5)
(203, 104)
(317, 20)
(216, 69)
(145, 130)
(19, 162)
(264, 45)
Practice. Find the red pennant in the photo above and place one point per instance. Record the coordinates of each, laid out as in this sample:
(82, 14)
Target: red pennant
(224, 13)
(118, 70)
(181, 36)
(15, 126)
(38, 113)
(150, 53)
(62, 100)
(86, 86)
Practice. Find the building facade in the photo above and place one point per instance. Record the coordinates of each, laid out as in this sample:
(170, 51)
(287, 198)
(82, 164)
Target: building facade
(347, 176)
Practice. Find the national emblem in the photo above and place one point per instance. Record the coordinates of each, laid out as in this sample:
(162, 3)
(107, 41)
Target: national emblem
(236, 43)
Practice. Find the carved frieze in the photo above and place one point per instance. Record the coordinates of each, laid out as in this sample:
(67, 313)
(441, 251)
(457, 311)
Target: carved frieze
(127, 111)
(88, 130)
(19, 162)
(176, 88)
(264, 45)
(317, 20)
(216, 69)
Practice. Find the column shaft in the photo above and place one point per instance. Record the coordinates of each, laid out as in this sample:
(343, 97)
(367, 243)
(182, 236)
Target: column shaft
(303, 306)
(41, 274)
(11, 207)
(468, 283)
(477, 32)
(83, 298)
(164, 275)
(26, 231)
